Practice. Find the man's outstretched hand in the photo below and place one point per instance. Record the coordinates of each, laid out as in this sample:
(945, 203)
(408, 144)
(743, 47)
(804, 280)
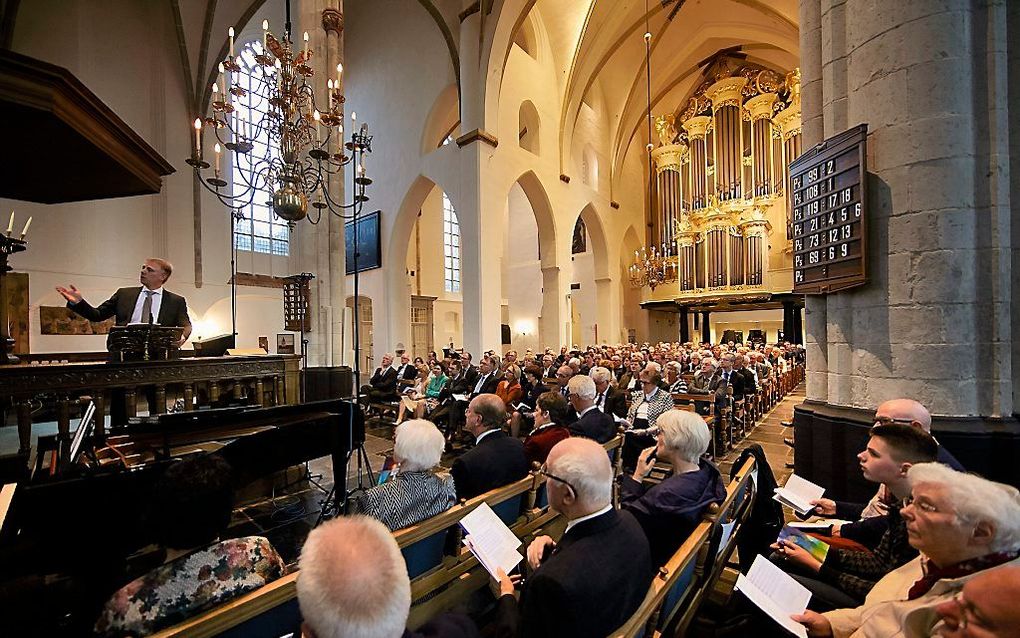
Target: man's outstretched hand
(71, 294)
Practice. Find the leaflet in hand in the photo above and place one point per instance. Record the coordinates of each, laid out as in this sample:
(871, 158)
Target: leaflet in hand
(818, 549)
(461, 397)
(776, 593)
(490, 540)
(798, 493)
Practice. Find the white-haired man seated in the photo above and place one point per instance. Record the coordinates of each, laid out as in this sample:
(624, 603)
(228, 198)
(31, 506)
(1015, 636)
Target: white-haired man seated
(600, 570)
(354, 584)
(417, 491)
(963, 525)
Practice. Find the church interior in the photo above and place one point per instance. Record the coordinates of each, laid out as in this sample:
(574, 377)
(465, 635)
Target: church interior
(405, 264)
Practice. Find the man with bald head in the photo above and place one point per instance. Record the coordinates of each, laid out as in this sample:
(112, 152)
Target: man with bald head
(985, 608)
(870, 521)
(496, 459)
(597, 575)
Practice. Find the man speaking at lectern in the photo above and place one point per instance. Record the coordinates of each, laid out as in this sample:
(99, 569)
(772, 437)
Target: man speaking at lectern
(148, 303)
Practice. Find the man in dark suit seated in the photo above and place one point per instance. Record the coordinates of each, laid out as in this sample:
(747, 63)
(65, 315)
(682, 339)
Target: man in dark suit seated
(597, 575)
(354, 583)
(148, 303)
(406, 372)
(497, 459)
(610, 400)
(591, 422)
(382, 387)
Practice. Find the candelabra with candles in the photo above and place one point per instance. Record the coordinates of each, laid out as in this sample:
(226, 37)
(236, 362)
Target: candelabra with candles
(296, 145)
(293, 148)
(8, 246)
(652, 268)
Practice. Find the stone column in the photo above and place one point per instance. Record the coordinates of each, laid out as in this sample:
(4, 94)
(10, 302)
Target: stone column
(934, 323)
(555, 312)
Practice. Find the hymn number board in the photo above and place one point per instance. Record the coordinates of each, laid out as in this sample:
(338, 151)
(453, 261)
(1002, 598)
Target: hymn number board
(828, 196)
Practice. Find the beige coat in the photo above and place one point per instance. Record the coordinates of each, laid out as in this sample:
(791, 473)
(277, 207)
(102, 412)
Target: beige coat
(886, 612)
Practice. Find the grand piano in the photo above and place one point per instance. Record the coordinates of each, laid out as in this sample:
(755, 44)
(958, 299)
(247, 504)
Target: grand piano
(72, 525)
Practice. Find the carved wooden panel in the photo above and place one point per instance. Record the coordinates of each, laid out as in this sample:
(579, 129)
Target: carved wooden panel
(60, 320)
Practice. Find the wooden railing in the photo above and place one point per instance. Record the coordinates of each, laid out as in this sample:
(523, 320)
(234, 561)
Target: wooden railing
(262, 380)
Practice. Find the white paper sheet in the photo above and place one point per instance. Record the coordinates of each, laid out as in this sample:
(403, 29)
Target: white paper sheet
(461, 397)
(776, 593)
(724, 537)
(798, 494)
(490, 540)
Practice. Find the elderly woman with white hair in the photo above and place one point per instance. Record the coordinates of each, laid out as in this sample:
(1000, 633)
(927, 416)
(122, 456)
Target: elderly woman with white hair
(417, 491)
(963, 525)
(669, 512)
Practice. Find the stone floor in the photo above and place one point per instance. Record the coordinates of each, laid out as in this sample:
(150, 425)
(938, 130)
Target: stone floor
(769, 433)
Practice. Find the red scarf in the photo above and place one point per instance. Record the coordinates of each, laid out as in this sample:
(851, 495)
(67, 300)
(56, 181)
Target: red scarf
(934, 573)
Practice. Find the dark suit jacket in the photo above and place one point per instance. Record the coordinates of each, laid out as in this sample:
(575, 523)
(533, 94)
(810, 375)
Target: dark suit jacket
(385, 383)
(496, 461)
(743, 384)
(591, 584)
(173, 310)
(615, 402)
(445, 625)
(594, 424)
(488, 387)
(408, 373)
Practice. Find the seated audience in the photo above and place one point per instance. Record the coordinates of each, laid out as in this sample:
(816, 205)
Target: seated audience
(417, 491)
(522, 419)
(548, 432)
(870, 526)
(509, 389)
(645, 409)
(846, 576)
(413, 395)
(600, 569)
(675, 384)
(191, 509)
(497, 459)
(669, 511)
(591, 422)
(630, 381)
(609, 399)
(962, 525)
(382, 386)
(985, 607)
(354, 582)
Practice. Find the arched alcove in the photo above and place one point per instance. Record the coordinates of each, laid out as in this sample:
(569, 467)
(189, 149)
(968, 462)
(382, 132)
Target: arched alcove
(528, 127)
(442, 121)
(526, 38)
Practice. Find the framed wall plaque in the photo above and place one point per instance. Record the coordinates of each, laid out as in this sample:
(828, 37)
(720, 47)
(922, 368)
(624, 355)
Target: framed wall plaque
(828, 197)
(369, 246)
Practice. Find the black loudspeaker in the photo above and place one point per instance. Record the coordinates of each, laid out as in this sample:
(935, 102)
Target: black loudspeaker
(504, 331)
(324, 383)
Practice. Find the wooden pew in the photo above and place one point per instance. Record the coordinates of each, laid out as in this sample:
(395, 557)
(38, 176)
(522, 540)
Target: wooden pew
(670, 590)
(735, 508)
(272, 611)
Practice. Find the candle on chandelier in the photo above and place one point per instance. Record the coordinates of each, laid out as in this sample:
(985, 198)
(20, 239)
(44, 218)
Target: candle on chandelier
(230, 34)
(10, 224)
(329, 94)
(265, 34)
(217, 150)
(223, 81)
(306, 46)
(316, 117)
(339, 76)
(279, 73)
(198, 137)
(24, 231)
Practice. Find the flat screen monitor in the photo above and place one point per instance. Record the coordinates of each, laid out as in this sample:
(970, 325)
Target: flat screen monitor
(84, 428)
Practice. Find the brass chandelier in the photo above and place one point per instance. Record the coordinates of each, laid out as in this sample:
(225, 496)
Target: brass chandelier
(293, 148)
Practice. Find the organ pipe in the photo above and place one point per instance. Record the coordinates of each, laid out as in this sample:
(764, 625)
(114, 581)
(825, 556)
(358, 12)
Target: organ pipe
(721, 175)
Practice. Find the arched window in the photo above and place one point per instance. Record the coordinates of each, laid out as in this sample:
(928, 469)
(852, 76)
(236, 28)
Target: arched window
(260, 230)
(451, 247)
(527, 128)
(579, 243)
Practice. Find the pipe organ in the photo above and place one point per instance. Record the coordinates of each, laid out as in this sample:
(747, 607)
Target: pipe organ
(720, 171)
